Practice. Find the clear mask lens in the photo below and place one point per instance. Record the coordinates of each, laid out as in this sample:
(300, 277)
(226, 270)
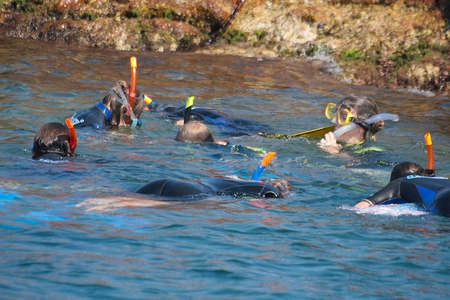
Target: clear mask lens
(344, 116)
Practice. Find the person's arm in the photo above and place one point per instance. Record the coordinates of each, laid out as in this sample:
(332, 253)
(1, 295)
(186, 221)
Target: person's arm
(389, 192)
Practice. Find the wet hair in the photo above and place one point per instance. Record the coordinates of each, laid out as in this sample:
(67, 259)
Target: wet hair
(117, 109)
(283, 186)
(194, 132)
(407, 168)
(364, 108)
(51, 138)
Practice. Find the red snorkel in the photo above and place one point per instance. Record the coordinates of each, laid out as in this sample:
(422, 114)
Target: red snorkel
(133, 80)
(430, 154)
(72, 135)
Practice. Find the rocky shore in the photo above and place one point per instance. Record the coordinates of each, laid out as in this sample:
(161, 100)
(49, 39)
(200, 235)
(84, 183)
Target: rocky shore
(384, 43)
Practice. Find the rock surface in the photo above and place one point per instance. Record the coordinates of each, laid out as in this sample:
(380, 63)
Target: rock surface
(386, 43)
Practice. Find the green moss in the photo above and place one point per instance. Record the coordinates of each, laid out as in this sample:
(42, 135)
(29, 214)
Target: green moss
(132, 13)
(90, 16)
(352, 54)
(169, 14)
(286, 52)
(311, 49)
(234, 36)
(186, 41)
(260, 35)
(25, 5)
(417, 51)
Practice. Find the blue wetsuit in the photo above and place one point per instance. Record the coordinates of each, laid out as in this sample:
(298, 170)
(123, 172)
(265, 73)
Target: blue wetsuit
(431, 193)
(179, 190)
(97, 117)
(230, 126)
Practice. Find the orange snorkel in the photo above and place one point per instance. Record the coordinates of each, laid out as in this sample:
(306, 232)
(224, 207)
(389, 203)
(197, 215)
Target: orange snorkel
(430, 153)
(264, 163)
(72, 135)
(133, 80)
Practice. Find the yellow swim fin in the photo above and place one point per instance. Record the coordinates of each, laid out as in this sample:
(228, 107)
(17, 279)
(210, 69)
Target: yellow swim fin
(317, 132)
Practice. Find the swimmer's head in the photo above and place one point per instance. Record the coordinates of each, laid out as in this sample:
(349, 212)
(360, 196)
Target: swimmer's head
(284, 187)
(360, 109)
(120, 114)
(407, 168)
(194, 132)
(52, 138)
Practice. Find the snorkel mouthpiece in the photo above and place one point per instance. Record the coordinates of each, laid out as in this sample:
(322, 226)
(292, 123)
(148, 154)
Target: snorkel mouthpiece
(264, 163)
(430, 154)
(72, 135)
(133, 80)
(188, 108)
(365, 124)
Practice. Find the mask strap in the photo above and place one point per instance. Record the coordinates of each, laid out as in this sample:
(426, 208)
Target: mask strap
(134, 121)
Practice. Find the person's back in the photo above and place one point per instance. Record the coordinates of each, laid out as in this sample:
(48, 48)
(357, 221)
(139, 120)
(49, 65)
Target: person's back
(179, 190)
(409, 184)
(229, 126)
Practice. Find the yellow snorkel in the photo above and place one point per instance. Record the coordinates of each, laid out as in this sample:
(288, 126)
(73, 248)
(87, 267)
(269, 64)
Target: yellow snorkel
(188, 108)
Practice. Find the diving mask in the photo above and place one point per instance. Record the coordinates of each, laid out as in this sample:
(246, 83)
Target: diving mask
(135, 122)
(338, 114)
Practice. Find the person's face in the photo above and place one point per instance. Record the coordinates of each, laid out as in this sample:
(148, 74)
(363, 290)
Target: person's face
(353, 136)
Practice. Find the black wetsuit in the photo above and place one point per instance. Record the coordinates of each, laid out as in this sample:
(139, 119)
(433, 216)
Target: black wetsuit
(179, 190)
(97, 117)
(431, 193)
(230, 126)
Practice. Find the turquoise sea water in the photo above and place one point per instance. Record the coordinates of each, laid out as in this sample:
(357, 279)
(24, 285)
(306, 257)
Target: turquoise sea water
(55, 244)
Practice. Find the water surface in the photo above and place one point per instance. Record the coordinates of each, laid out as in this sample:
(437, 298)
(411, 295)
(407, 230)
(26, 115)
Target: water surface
(309, 245)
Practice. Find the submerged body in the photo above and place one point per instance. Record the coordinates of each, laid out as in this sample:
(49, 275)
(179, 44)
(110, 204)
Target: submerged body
(97, 117)
(230, 126)
(430, 193)
(179, 190)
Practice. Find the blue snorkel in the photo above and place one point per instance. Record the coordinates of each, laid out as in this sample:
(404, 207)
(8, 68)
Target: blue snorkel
(264, 163)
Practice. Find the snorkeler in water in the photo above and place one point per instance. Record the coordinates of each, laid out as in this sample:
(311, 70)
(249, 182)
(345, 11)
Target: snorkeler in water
(54, 141)
(113, 111)
(179, 190)
(355, 119)
(410, 183)
(193, 131)
(196, 132)
(228, 125)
